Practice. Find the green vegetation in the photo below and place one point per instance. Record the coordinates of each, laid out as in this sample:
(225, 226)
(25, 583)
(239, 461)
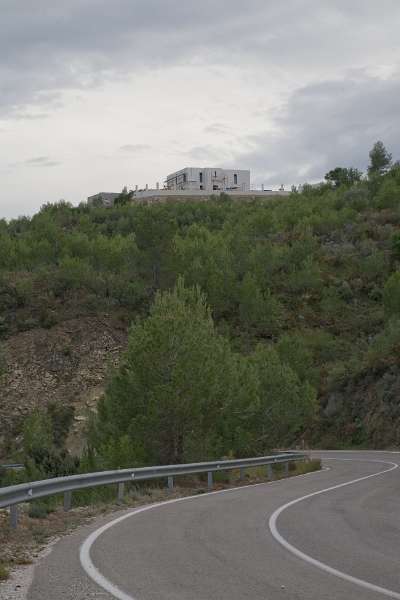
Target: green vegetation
(307, 467)
(38, 510)
(244, 313)
(4, 572)
(343, 176)
(181, 394)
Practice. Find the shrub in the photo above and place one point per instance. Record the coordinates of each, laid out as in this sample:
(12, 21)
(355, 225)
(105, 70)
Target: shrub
(27, 324)
(384, 349)
(305, 279)
(74, 273)
(357, 197)
(388, 195)
(257, 310)
(396, 245)
(4, 572)
(38, 510)
(293, 351)
(3, 361)
(391, 296)
(374, 266)
(308, 466)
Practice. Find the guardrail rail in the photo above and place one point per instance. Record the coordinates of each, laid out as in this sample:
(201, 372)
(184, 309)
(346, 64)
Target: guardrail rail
(13, 495)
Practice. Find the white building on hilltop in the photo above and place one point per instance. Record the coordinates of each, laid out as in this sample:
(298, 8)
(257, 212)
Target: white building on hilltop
(209, 180)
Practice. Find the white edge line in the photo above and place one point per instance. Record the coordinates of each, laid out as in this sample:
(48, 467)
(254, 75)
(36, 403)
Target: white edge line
(351, 451)
(320, 565)
(98, 577)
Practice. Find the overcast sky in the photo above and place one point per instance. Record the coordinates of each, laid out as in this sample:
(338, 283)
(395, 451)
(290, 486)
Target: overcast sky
(98, 94)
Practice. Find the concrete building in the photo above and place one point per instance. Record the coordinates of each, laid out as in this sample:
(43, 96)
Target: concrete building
(193, 184)
(209, 180)
(103, 199)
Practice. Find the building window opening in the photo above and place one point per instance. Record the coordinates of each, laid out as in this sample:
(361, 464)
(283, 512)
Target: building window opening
(184, 178)
(215, 173)
(215, 187)
(201, 177)
(235, 179)
(202, 187)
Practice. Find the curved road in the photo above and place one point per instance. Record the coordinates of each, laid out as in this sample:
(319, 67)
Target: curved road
(341, 541)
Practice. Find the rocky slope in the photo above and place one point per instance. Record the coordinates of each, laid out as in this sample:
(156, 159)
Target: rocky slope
(65, 364)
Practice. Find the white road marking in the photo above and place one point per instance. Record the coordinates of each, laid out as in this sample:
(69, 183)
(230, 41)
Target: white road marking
(106, 584)
(116, 592)
(316, 563)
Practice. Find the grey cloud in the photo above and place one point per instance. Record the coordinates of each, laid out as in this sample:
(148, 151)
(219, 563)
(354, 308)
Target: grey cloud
(30, 116)
(324, 125)
(47, 46)
(36, 161)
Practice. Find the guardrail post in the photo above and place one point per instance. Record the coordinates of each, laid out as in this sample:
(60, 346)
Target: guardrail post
(209, 479)
(120, 491)
(241, 473)
(14, 516)
(170, 482)
(270, 473)
(67, 500)
(286, 469)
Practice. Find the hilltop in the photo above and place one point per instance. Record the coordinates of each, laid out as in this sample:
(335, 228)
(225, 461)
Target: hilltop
(314, 275)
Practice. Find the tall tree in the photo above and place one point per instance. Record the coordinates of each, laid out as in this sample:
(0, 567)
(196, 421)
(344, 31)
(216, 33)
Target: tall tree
(380, 160)
(205, 258)
(164, 404)
(285, 405)
(343, 176)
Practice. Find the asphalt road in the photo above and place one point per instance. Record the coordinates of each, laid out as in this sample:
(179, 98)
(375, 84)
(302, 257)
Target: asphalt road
(221, 547)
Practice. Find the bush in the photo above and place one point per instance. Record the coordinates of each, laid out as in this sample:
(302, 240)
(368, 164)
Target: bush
(388, 195)
(3, 362)
(74, 273)
(294, 351)
(391, 296)
(357, 197)
(27, 324)
(308, 466)
(384, 349)
(38, 510)
(396, 245)
(305, 279)
(44, 436)
(374, 266)
(257, 310)
(4, 572)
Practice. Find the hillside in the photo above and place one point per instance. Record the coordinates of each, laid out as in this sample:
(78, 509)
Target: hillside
(315, 274)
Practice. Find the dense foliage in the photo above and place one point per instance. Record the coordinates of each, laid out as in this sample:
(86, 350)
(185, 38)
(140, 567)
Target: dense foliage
(302, 291)
(181, 394)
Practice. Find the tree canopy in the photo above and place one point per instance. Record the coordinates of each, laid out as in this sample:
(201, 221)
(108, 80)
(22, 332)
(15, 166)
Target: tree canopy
(306, 282)
(182, 394)
(343, 176)
(380, 160)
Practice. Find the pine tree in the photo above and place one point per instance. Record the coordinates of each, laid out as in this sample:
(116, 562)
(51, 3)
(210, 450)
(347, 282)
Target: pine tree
(380, 160)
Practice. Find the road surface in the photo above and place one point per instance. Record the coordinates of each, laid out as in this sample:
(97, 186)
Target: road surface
(256, 542)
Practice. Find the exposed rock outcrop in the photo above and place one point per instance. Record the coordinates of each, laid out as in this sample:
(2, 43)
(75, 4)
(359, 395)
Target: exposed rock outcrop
(67, 364)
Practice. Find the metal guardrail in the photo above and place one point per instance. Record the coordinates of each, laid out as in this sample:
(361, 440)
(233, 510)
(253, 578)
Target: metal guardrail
(12, 495)
(12, 466)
